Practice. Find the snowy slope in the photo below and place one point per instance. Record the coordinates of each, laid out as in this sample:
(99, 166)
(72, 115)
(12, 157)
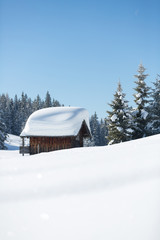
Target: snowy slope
(13, 142)
(94, 193)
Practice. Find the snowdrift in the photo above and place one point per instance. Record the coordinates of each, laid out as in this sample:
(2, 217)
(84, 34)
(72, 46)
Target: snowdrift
(110, 192)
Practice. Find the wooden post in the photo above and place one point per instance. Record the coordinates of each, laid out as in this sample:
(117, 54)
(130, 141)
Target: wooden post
(38, 148)
(23, 146)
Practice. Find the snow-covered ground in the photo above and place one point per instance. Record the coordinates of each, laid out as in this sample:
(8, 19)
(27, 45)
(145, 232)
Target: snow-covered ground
(98, 193)
(13, 142)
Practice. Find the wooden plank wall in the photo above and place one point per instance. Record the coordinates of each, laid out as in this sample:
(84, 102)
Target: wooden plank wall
(47, 144)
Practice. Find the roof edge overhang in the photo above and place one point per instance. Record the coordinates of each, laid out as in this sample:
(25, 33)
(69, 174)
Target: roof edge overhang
(28, 136)
(84, 124)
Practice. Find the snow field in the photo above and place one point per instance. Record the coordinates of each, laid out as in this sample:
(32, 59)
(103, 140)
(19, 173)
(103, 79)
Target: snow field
(110, 192)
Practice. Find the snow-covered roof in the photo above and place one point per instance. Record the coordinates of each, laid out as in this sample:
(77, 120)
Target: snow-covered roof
(56, 121)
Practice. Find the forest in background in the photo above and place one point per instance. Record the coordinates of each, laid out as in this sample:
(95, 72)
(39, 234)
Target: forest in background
(122, 122)
(14, 113)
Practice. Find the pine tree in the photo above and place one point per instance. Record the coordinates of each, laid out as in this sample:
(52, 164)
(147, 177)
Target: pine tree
(11, 116)
(3, 133)
(154, 108)
(103, 133)
(5, 108)
(95, 129)
(119, 119)
(37, 103)
(48, 101)
(23, 109)
(56, 103)
(17, 116)
(141, 96)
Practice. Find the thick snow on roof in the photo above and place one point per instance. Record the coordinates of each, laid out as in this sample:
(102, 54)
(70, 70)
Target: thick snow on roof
(56, 121)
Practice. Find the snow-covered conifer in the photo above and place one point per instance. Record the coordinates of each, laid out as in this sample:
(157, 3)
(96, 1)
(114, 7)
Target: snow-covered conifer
(5, 109)
(56, 103)
(3, 133)
(48, 101)
(154, 124)
(140, 113)
(95, 129)
(37, 103)
(119, 119)
(103, 133)
(17, 116)
(25, 109)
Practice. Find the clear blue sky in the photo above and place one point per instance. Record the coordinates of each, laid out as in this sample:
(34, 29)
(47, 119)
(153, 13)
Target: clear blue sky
(78, 50)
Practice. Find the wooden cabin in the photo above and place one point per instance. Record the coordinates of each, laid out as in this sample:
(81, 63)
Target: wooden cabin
(55, 128)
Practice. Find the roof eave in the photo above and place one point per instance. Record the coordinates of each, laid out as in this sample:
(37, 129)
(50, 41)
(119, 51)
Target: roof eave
(47, 136)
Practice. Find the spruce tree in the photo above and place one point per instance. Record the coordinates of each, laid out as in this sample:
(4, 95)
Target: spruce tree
(140, 113)
(95, 129)
(37, 103)
(56, 103)
(103, 133)
(3, 133)
(11, 116)
(17, 116)
(119, 119)
(24, 109)
(154, 108)
(8, 115)
(48, 101)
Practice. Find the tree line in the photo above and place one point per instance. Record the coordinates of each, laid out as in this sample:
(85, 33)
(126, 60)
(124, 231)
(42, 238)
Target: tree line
(123, 122)
(14, 113)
